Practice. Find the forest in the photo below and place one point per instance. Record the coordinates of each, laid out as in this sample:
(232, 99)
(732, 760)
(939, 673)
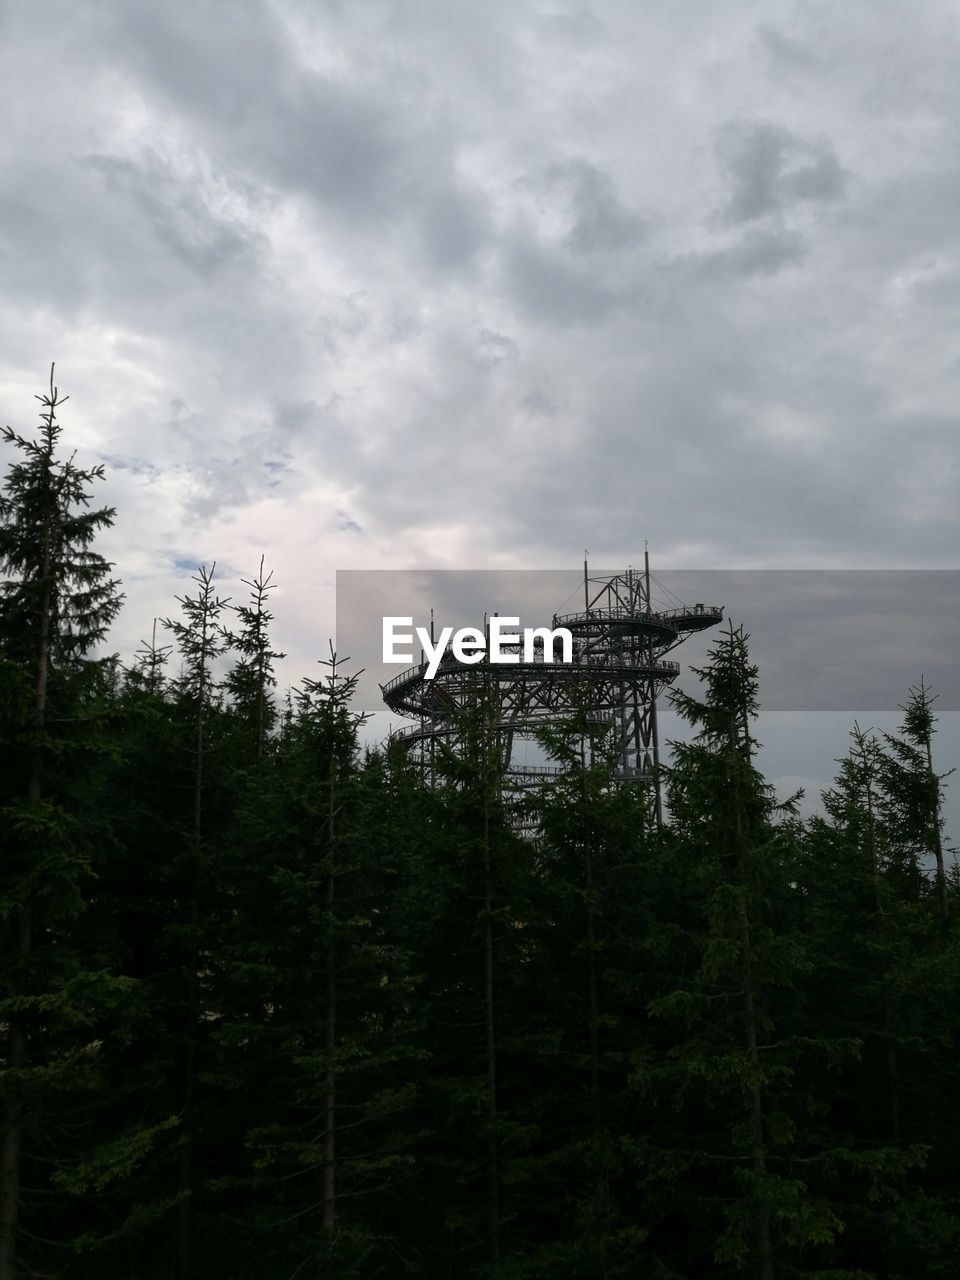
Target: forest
(271, 1007)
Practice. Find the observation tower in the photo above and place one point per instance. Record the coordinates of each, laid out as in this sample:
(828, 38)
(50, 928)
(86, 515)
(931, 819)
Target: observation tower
(619, 668)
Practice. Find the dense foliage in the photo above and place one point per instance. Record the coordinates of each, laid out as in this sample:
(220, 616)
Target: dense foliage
(272, 1008)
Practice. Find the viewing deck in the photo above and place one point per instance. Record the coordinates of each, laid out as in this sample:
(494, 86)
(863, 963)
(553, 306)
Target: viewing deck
(411, 693)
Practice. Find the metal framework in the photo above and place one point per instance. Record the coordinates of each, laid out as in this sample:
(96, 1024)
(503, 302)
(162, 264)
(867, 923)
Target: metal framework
(619, 667)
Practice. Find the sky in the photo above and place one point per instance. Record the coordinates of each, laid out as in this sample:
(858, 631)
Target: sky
(456, 285)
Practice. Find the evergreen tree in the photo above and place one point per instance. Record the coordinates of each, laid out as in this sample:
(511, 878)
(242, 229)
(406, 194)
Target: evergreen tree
(472, 859)
(251, 680)
(593, 835)
(58, 602)
(744, 1066)
(200, 641)
(274, 1006)
(315, 986)
(886, 974)
(917, 790)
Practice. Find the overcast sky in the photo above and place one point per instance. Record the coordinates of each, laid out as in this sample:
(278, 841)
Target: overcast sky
(374, 284)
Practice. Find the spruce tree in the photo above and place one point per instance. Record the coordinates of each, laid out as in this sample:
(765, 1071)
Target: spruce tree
(592, 834)
(917, 790)
(750, 1147)
(251, 680)
(200, 640)
(314, 995)
(867, 928)
(59, 600)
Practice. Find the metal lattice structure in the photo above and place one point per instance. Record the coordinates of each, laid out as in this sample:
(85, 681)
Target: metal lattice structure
(619, 668)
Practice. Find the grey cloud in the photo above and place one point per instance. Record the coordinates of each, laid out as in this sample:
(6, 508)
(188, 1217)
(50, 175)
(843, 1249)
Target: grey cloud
(174, 213)
(940, 288)
(223, 484)
(758, 253)
(137, 466)
(785, 52)
(242, 80)
(768, 169)
(88, 243)
(538, 404)
(345, 523)
(807, 627)
(602, 222)
(548, 286)
(908, 216)
(580, 27)
(379, 251)
(587, 199)
(453, 225)
(301, 418)
(311, 433)
(494, 348)
(357, 148)
(226, 471)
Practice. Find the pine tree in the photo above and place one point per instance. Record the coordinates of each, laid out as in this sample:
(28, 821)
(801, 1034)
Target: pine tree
(251, 680)
(592, 833)
(860, 905)
(314, 989)
(751, 1070)
(466, 864)
(200, 641)
(59, 600)
(917, 789)
(886, 973)
(473, 777)
(733, 814)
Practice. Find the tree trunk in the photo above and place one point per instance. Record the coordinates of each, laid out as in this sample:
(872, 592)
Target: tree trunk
(10, 1153)
(758, 1148)
(757, 1139)
(329, 1184)
(185, 1176)
(184, 1231)
(593, 1002)
(600, 1190)
(493, 1172)
(889, 1012)
(937, 840)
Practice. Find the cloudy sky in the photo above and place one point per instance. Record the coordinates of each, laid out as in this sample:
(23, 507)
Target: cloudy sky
(376, 284)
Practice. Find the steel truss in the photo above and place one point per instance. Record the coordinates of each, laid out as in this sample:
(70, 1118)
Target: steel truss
(619, 668)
